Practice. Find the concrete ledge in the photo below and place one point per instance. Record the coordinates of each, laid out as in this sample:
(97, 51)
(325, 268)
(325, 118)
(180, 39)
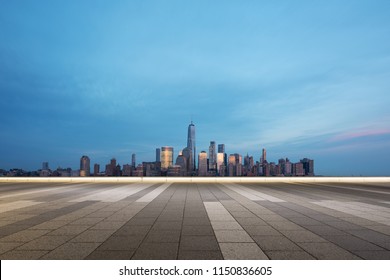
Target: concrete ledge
(197, 179)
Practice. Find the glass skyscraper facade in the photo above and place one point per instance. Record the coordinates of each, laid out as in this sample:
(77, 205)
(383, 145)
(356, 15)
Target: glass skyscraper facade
(191, 145)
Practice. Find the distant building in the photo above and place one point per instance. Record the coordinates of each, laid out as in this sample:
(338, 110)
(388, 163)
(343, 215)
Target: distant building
(138, 171)
(151, 169)
(182, 162)
(45, 165)
(202, 164)
(133, 160)
(212, 156)
(231, 167)
(287, 168)
(126, 171)
(173, 171)
(85, 166)
(166, 157)
(263, 156)
(191, 146)
(111, 168)
(158, 155)
(308, 166)
(298, 169)
(187, 155)
(221, 164)
(96, 169)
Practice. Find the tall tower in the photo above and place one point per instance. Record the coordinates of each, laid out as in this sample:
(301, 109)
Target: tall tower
(85, 166)
(133, 160)
(191, 145)
(212, 156)
(202, 161)
(166, 157)
(263, 156)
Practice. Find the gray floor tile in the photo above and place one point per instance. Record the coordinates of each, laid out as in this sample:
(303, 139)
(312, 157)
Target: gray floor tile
(22, 255)
(232, 236)
(157, 251)
(121, 243)
(163, 236)
(275, 243)
(110, 255)
(242, 251)
(289, 255)
(196, 243)
(200, 255)
(197, 230)
(302, 236)
(71, 251)
(327, 251)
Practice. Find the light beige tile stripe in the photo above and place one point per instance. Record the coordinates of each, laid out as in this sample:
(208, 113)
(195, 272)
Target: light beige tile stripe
(234, 242)
(153, 194)
(251, 193)
(17, 205)
(115, 194)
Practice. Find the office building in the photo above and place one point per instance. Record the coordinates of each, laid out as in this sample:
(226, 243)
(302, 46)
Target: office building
(191, 145)
(212, 156)
(96, 169)
(166, 157)
(133, 164)
(182, 162)
(308, 166)
(85, 166)
(158, 155)
(263, 156)
(202, 162)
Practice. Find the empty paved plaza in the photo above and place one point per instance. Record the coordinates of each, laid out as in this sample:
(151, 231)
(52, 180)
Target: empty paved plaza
(190, 220)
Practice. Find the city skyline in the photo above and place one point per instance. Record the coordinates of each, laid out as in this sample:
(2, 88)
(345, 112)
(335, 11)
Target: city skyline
(108, 80)
(209, 165)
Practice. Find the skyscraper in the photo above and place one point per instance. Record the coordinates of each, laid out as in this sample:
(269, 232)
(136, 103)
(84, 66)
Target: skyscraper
(166, 157)
(263, 156)
(202, 161)
(85, 166)
(191, 145)
(133, 160)
(212, 156)
(158, 155)
(221, 149)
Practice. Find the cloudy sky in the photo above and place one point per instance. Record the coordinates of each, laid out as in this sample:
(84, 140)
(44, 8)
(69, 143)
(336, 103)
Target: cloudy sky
(111, 78)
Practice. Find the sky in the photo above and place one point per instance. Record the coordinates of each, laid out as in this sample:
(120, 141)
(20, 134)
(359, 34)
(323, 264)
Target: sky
(111, 78)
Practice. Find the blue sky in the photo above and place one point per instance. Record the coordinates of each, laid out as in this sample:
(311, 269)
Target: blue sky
(112, 78)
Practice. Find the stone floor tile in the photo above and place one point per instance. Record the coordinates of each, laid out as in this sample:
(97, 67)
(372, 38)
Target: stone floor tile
(327, 251)
(163, 236)
(197, 230)
(302, 236)
(157, 251)
(121, 243)
(69, 230)
(232, 236)
(275, 243)
(25, 235)
(93, 235)
(200, 255)
(242, 251)
(8, 246)
(261, 230)
(289, 255)
(71, 251)
(196, 243)
(22, 255)
(110, 255)
(43, 243)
